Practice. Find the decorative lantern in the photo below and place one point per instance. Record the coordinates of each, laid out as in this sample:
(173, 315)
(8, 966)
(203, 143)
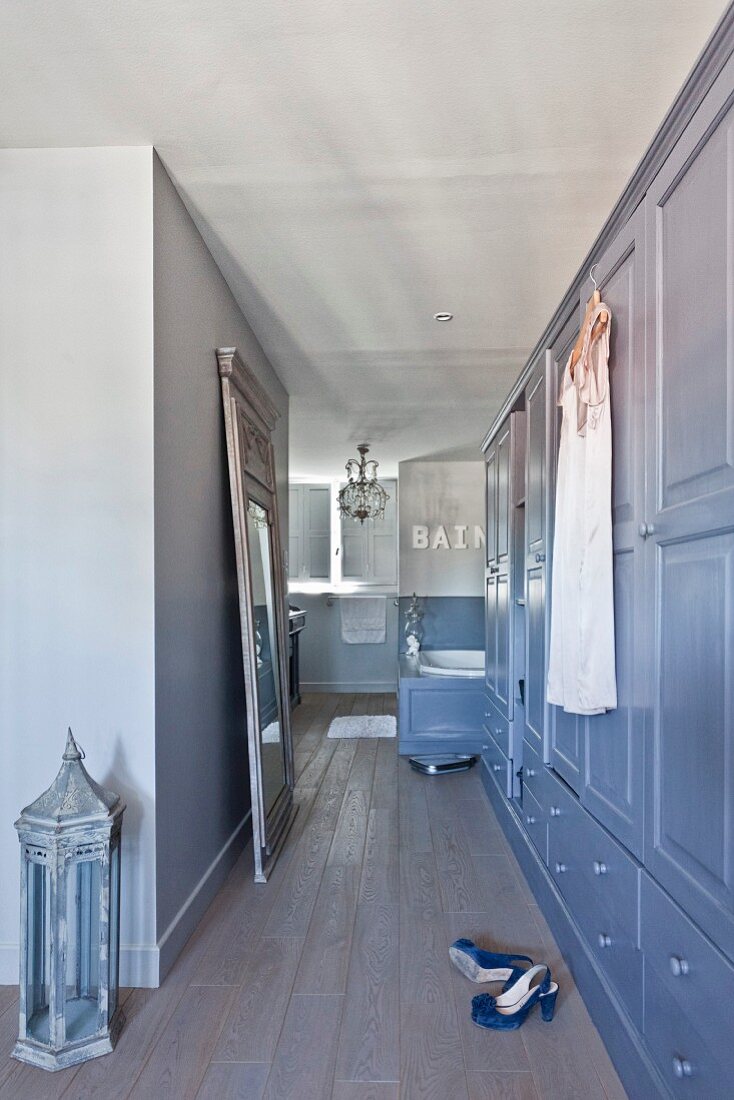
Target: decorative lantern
(70, 919)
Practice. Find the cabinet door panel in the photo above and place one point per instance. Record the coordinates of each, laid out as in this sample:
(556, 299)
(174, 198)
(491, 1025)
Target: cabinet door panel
(535, 706)
(503, 496)
(693, 793)
(690, 516)
(568, 746)
(490, 640)
(614, 750)
(384, 558)
(535, 417)
(536, 518)
(354, 555)
(295, 531)
(491, 504)
(382, 541)
(696, 390)
(503, 681)
(317, 521)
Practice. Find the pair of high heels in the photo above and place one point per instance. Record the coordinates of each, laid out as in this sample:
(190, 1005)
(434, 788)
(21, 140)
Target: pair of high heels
(520, 991)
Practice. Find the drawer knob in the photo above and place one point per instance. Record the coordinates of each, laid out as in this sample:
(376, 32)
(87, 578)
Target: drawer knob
(682, 1067)
(530, 819)
(539, 558)
(604, 940)
(496, 767)
(529, 772)
(599, 867)
(555, 811)
(560, 868)
(678, 966)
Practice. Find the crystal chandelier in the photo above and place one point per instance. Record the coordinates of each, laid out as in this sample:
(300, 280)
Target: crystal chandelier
(362, 497)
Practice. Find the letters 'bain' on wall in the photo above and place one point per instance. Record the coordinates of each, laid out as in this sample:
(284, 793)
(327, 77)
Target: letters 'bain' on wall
(455, 537)
(441, 510)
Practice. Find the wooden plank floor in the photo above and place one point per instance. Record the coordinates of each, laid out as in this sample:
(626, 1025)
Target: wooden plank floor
(332, 981)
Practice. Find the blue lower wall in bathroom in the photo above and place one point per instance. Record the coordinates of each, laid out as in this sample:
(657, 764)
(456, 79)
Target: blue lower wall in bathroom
(449, 622)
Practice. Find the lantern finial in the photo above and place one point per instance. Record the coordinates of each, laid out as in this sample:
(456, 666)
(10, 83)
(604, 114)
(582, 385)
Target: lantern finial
(72, 750)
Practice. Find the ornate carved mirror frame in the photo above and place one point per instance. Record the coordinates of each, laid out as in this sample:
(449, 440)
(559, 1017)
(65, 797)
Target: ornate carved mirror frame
(249, 419)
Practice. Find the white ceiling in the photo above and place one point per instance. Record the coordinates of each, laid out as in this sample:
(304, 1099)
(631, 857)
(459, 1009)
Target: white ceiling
(357, 165)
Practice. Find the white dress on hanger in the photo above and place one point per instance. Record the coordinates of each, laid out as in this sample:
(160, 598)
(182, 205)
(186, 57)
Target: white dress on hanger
(581, 667)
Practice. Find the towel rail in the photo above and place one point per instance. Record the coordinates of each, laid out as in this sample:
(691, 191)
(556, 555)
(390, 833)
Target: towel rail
(330, 600)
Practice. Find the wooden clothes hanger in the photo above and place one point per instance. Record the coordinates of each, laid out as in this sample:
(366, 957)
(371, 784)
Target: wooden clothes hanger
(599, 325)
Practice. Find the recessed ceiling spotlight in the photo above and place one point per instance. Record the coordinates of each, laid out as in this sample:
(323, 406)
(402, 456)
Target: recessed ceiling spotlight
(443, 317)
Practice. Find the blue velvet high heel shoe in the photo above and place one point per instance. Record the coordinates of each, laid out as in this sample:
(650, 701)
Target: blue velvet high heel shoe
(510, 1010)
(487, 966)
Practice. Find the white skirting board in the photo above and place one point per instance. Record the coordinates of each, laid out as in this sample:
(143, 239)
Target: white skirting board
(380, 687)
(146, 965)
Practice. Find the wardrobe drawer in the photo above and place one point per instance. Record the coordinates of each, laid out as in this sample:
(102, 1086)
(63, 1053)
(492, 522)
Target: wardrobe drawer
(498, 728)
(687, 1064)
(688, 966)
(498, 766)
(533, 774)
(615, 950)
(612, 875)
(535, 821)
(587, 852)
(609, 940)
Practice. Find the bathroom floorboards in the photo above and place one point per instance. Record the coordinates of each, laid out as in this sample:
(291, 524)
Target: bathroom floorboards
(332, 980)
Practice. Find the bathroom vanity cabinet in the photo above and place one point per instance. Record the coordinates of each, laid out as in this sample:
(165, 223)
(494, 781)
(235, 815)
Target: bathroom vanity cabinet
(623, 821)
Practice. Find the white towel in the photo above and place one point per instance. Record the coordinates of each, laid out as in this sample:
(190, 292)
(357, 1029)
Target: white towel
(363, 619)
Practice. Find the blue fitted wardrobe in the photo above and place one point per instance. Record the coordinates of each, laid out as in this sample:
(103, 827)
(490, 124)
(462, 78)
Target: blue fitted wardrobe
(624, 822)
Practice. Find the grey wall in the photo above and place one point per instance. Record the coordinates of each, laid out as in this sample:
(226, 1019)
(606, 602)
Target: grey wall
(328, 664)
(441, 493)
(201, 751)
(449, 622)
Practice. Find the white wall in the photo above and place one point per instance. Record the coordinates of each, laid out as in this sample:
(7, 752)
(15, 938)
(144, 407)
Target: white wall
(76, 500)
(441, 495)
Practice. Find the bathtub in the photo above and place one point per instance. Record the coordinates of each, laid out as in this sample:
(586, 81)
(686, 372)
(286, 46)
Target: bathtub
(442, 708)
(452, 662)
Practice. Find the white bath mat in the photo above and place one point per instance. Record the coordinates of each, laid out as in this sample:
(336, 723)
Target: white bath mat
(364, 725)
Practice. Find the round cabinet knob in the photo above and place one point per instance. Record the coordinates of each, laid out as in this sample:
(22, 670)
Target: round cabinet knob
(682, 1067)
(555, 811)
(529, 772)
(560, 868)
(678, 966)
(645, 530)
(604, 940)
(496, 767)
(530, 819)
(599, 867)
(540, 557)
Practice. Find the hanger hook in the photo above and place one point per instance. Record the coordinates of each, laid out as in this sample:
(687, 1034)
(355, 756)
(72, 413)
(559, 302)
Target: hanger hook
(591, 275)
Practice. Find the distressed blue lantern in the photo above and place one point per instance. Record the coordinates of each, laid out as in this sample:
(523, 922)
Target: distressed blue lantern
(70, 919)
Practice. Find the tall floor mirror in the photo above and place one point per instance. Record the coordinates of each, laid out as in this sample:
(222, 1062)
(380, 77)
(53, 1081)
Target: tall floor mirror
(249, 418)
